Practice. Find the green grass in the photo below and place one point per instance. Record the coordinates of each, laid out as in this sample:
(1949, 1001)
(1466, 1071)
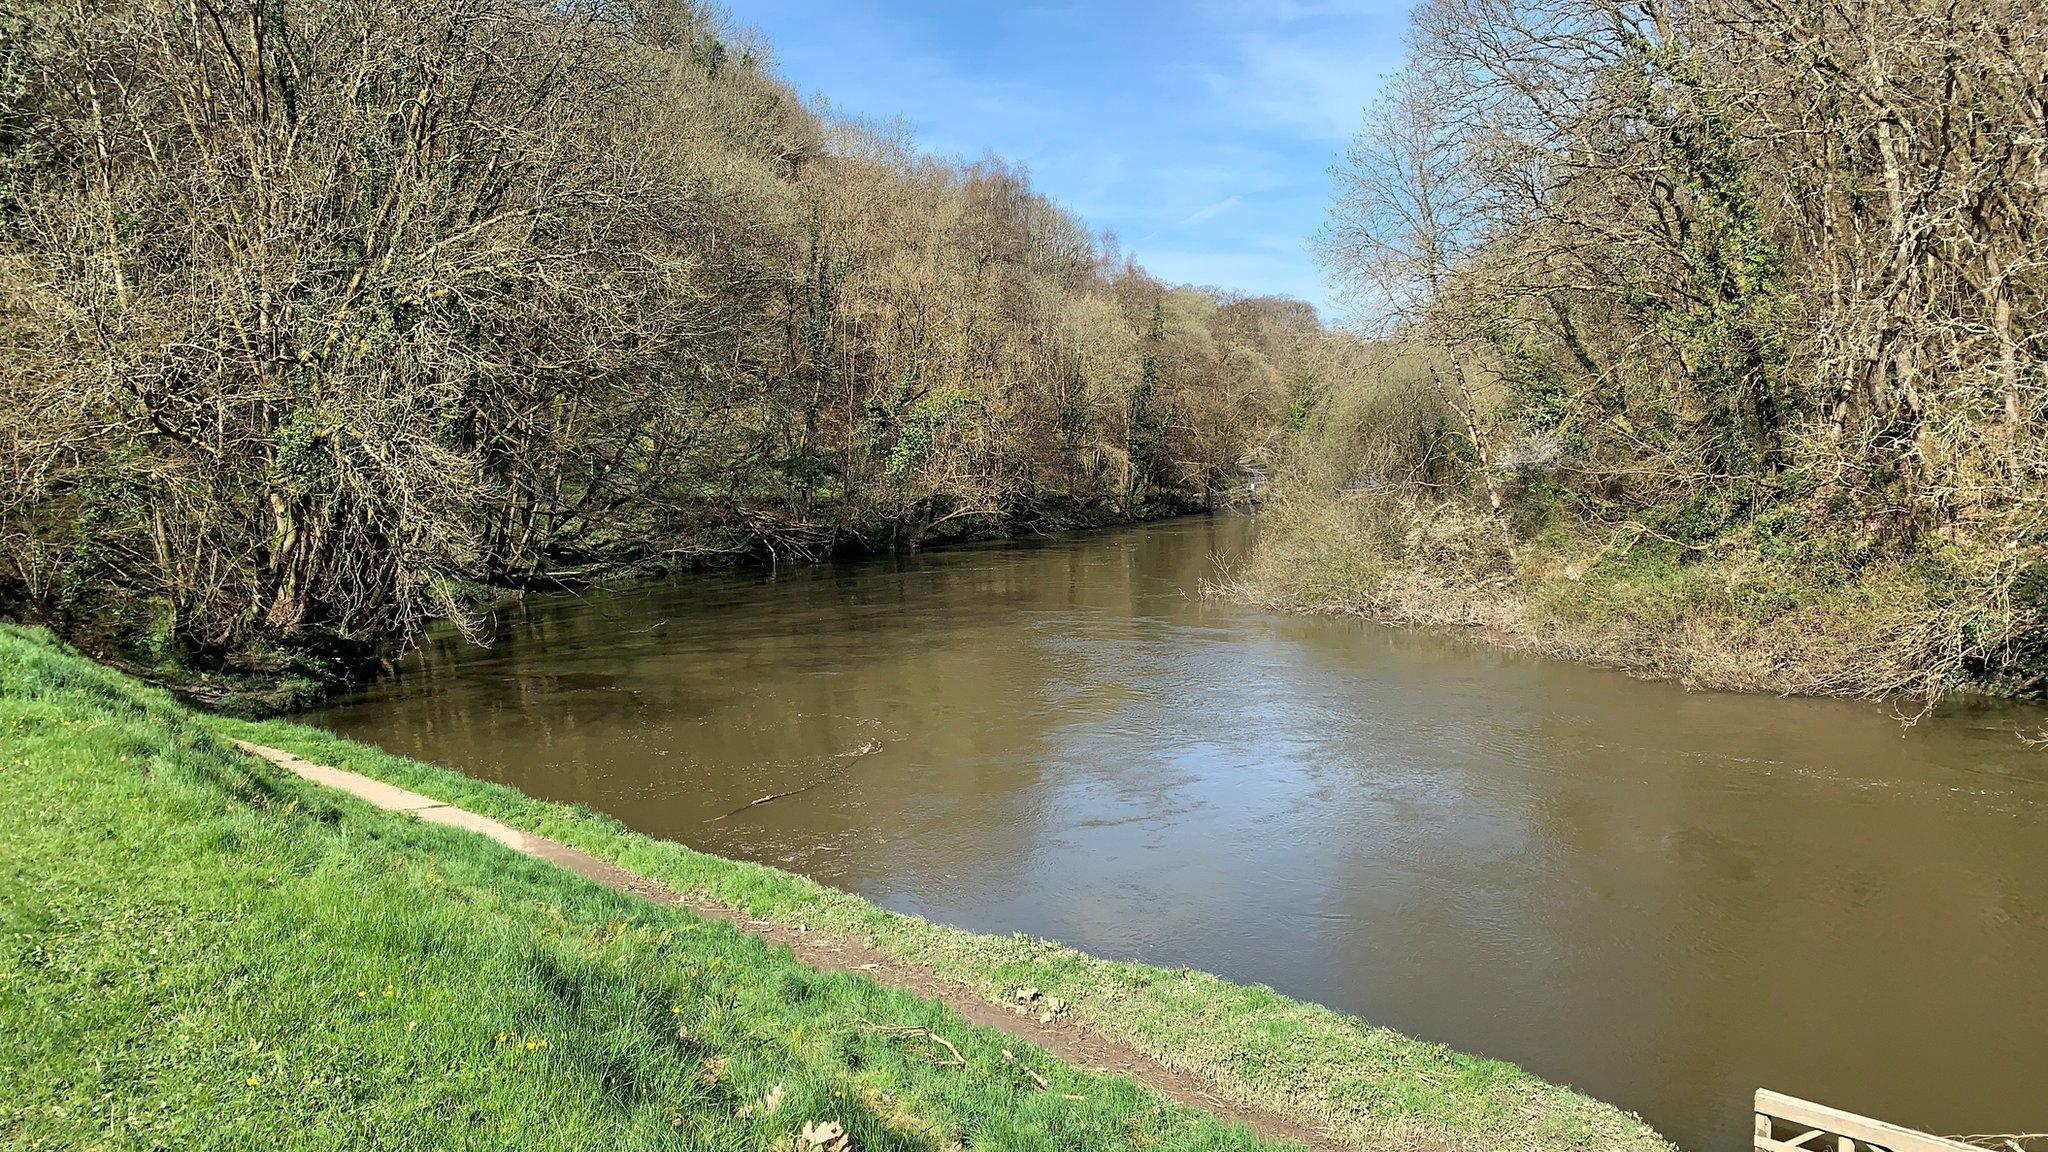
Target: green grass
(181, 919)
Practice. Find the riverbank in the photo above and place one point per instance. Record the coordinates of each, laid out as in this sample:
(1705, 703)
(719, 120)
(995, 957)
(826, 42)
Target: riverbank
(151, 866)
(1029, 1015)
(1748, 608)
(279, 677)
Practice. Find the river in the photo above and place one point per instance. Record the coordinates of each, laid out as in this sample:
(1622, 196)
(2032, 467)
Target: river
(1664, 898)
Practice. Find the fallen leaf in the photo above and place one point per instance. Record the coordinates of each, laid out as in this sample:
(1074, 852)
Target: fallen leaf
(766, 1105)
(826, 1137)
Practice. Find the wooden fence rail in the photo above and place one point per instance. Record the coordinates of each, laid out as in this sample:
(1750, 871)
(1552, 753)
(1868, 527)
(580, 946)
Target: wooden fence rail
(1789, 1124)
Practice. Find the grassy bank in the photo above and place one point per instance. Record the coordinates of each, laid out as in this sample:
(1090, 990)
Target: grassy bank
(1730, 601)
(198, 951)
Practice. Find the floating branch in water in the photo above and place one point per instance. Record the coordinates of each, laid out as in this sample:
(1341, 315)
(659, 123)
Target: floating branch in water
(866, 749)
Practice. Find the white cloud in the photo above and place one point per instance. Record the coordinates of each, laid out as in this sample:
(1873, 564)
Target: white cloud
(1211, 211)
(1313, 88)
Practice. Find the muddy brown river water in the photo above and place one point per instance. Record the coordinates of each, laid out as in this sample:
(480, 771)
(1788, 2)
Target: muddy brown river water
(1666, 899)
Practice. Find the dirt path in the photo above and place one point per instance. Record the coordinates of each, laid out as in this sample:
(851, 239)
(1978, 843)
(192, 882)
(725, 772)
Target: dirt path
(1066, 1037)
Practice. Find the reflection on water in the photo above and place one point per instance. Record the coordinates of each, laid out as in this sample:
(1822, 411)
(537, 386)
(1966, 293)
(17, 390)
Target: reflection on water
(1664, 898)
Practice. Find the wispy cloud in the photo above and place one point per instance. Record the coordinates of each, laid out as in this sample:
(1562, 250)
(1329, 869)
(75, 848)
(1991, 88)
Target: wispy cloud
(1211, 211)
(1313, 89)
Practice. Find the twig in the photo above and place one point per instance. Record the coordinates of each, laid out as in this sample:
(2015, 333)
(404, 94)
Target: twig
(958, 1061)
(1028, 1070)
(2014, 1141)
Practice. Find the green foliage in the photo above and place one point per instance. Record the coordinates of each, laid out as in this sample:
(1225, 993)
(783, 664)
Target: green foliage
(1149, 422)
(1731, 322)
(1538, 397)
(19, 150)
(927, 417)
(710, 55)
(2030, 589)
(1701, 516)
(302, 459)
(1301, 406)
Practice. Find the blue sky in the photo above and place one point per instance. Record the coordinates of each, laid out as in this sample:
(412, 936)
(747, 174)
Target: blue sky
(1201, 133)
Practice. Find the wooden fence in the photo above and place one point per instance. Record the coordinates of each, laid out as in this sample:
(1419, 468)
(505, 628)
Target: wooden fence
(1789, 1124)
